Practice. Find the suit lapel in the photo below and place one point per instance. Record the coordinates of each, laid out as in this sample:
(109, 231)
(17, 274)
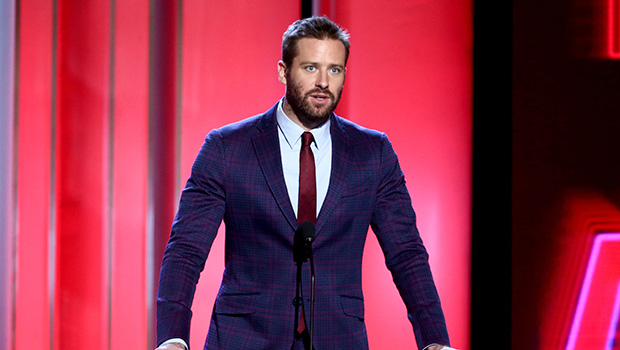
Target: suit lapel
(267, 148)
(341, 158)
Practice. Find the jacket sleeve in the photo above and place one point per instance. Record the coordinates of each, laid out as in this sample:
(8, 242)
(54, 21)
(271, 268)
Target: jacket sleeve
(195, 226)
(394, 223)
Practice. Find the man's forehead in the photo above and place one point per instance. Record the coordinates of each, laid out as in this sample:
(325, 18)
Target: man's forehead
(312, 48)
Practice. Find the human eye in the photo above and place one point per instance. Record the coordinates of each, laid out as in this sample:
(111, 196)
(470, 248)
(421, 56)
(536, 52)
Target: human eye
(310, 68)
(335, 70)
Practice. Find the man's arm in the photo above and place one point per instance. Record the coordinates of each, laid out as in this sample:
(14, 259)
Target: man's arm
(200, 214)
(394, 224)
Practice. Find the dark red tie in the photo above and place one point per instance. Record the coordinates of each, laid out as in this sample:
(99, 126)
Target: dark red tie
(306, 209)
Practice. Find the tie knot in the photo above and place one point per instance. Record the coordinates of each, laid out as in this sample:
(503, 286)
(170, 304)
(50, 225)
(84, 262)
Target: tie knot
(306, 139)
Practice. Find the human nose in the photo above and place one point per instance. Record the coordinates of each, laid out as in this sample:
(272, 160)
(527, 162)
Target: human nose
(322, 80)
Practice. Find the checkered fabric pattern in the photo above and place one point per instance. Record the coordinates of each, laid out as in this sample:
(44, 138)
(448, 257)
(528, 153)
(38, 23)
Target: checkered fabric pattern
(237, 177)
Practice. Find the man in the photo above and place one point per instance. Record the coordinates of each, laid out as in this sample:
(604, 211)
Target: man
(252, 174)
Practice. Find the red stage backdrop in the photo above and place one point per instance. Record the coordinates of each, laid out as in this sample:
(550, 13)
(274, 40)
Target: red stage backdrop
(112, 94)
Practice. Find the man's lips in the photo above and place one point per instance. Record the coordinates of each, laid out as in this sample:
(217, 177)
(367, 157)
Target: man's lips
(320, 97)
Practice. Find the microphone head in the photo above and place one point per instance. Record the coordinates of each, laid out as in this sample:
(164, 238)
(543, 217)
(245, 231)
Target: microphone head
(308, 231)
(302, 241)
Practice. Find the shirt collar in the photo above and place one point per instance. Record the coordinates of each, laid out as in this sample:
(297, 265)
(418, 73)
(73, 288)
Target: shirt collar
(292, 132)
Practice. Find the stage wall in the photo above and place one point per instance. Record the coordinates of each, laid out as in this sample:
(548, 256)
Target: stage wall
(113, 100)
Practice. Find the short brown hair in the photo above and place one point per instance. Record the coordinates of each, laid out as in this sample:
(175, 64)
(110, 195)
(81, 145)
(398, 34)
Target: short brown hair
(313, 27)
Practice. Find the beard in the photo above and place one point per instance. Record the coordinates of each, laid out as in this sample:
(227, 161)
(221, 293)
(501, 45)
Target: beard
(304, 109)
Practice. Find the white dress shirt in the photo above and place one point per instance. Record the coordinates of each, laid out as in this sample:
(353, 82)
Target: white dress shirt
(290, 147)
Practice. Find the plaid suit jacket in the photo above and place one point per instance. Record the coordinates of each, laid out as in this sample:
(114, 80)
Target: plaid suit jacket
(237, 177)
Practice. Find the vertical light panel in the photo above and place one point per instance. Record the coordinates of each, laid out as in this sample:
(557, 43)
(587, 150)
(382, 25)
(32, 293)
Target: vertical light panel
(324, 8)
(613, 28)
(129, 173)
(82, 160)
(410, 75)
(229, 72)
(163, 45)
(7, 203)
(33, 288)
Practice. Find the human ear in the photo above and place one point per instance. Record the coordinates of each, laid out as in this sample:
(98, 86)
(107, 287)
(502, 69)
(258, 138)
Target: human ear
(282, 72)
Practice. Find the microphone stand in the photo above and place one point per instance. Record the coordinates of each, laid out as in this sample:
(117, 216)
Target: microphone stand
(312, 278)
(302, 251)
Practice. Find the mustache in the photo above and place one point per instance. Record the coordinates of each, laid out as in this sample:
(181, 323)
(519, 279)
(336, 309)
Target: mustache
(321, 91)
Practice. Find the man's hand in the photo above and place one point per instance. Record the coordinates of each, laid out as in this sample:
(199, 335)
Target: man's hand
(439, 347)
(172, 346)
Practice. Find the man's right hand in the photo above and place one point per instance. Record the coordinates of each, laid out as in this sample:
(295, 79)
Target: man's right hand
(171, 346)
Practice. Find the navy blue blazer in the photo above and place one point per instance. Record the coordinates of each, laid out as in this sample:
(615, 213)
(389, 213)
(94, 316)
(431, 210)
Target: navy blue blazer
(237, 177)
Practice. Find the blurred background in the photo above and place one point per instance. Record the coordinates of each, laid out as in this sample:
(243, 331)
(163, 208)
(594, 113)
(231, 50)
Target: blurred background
(108, 101)
(566, 188)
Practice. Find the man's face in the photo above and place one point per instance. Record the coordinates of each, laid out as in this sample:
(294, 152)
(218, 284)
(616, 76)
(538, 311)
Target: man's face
(314, 81)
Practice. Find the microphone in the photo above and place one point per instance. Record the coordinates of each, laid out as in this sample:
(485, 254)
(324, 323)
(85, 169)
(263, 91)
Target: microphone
(302, 241)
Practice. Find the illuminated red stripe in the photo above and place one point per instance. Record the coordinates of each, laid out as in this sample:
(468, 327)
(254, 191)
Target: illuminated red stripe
(82, 175)
(128, 304)
(32, 299)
